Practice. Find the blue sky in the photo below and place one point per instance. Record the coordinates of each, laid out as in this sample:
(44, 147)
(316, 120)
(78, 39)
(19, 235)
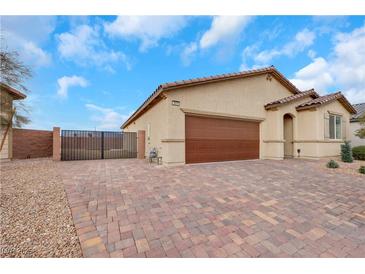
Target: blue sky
(93, 72)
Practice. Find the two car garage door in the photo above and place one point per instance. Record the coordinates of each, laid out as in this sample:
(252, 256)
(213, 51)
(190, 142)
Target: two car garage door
(217, 139)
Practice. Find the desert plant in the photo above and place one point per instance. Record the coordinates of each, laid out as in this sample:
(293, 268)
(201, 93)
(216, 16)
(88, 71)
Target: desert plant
(361, 131)
(362, 169)
(346, 152)
(358, 152)
(332, 164)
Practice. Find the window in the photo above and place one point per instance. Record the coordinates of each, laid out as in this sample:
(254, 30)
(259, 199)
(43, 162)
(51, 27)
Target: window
(335, 125)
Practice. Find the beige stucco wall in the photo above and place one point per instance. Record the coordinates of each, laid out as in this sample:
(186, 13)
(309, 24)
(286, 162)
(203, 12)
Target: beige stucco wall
(333, 147)
(311, 140)
(274, 133)
(6, 150)
(242, 99)
(6, 106)
(355, 141)
(154, 123)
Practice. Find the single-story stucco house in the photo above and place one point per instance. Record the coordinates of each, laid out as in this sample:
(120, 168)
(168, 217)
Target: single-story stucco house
(355, 125)
(7, 96)
(256, 114)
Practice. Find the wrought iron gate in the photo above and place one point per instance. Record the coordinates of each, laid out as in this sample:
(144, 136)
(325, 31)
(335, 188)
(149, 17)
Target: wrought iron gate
(92, 145)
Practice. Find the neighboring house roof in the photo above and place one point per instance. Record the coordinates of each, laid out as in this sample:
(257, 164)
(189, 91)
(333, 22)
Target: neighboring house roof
(292, 98)
(157, 94)
(16, 94)
(360, 108)
(327, 99)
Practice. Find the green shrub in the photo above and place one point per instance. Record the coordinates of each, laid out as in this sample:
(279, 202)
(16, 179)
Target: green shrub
(346, 153)
(362, 169)
(332, 164)
(358, 152)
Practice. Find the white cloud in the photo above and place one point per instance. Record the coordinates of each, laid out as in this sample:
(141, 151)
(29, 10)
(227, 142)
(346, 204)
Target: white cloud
(247, 53)
(273, 32)
(28, 40)
(344, 68)
(42, 58)
(315, 75)
(330, 24)
(222, 29)
(84, 45)
(30, 28)
(149, 30)
(106, 118)
(301, 41)
(311, 54)
(188, 53)
(65, 82)
(319, 64)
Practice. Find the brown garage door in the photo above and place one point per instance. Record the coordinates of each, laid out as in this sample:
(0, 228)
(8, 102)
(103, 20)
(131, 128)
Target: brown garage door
(216, 139)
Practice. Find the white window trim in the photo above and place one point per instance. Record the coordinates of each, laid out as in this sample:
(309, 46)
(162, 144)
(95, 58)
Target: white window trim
(334, 126)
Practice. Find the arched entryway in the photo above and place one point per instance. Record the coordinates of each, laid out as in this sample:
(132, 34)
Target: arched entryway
(288, 136)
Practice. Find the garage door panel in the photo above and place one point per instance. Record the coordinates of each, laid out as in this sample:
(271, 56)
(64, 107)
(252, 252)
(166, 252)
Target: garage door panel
(224, 133)
(215, 139)
(204, 145)
(218, 150)
(215, 128)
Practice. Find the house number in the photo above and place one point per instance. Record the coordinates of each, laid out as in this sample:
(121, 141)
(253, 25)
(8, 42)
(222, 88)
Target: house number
(175, 103)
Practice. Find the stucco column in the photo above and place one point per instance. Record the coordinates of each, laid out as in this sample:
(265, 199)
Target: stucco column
(56, 144)
(141, 144)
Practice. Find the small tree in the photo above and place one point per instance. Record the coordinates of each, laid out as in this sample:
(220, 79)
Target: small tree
(346, 152)
(361, 131)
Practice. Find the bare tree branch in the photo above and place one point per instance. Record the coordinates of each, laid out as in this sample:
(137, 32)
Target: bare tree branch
(14, 73)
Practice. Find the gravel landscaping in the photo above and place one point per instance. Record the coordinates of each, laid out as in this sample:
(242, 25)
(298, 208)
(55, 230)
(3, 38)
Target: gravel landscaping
(345, 168)
(36, 220)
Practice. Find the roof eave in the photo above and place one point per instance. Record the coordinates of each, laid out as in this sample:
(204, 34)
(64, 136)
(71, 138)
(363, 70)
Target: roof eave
(308, 107)
(157, 93)
(347, 104)
(342, 99)
(281, 78)
(16, 94)
(311, 94)
(165, 87)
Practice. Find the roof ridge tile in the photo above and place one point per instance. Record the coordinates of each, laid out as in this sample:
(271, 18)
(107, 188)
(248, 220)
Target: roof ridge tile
(326, 99)
(291, 98)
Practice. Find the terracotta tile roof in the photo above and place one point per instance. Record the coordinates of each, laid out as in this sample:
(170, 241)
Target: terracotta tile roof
(227, 76)
(292, 98)
(12, 91)
(360, 108)
(205, 80)
(322, 100)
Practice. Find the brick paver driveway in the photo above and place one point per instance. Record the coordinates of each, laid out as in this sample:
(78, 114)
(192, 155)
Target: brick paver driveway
(126, 208)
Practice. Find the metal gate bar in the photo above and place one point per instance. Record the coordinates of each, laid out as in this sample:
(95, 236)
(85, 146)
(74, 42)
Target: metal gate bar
(91, 145)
